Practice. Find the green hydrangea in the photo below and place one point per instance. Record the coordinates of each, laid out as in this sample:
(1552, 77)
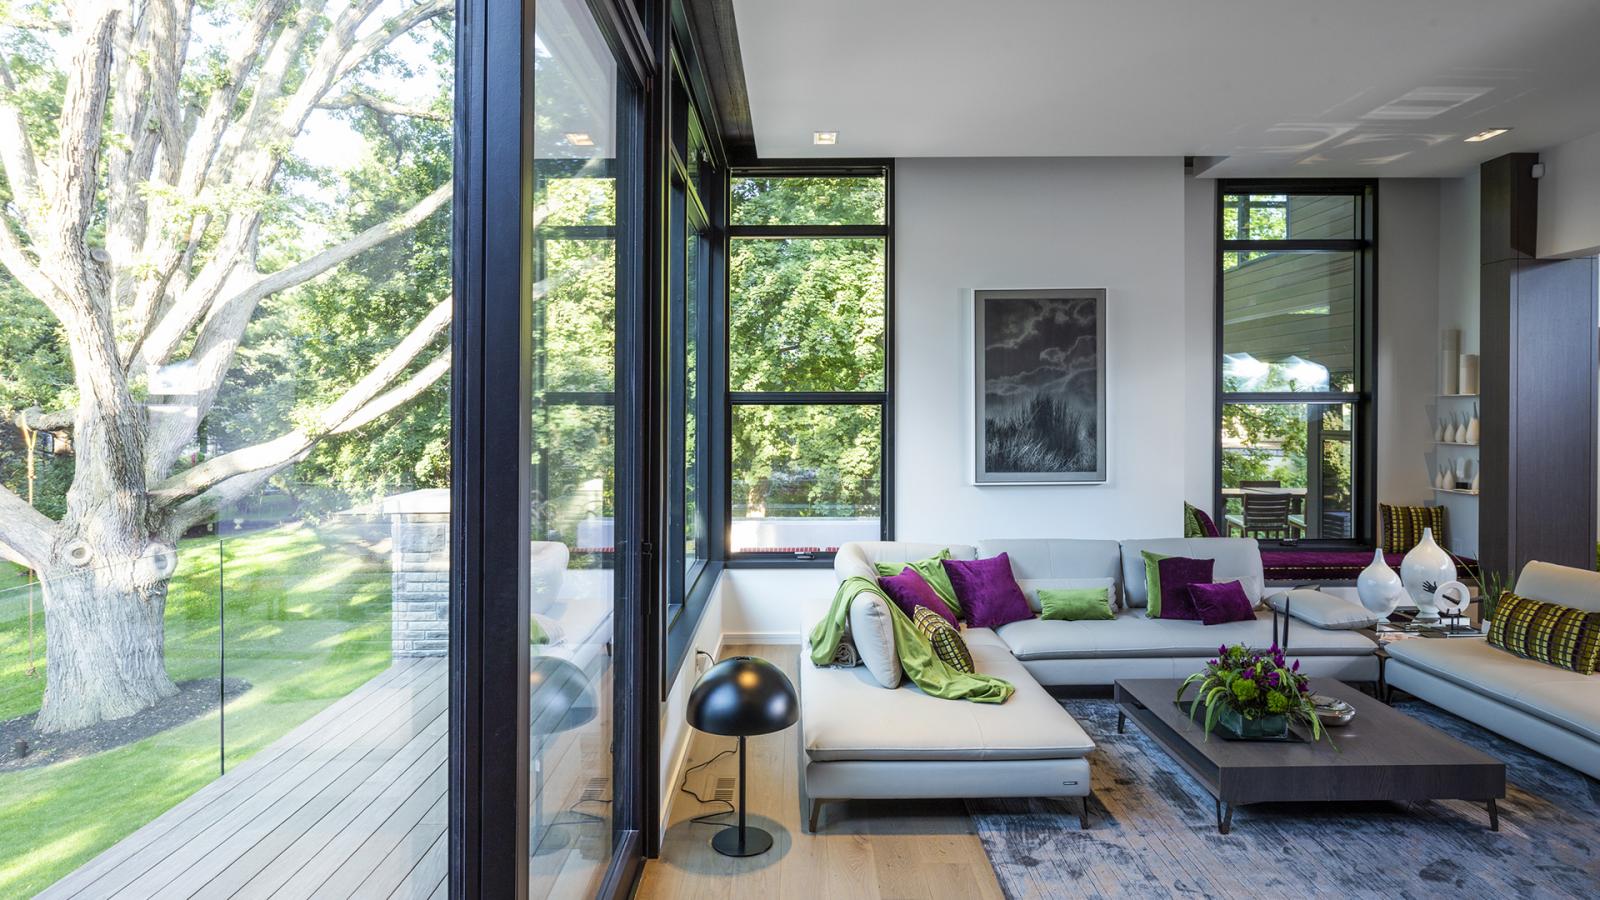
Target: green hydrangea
(1244, 689)
(1277, 702)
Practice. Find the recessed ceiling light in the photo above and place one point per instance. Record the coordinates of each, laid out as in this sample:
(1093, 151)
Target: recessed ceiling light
(579, 139)
(824, 138)
(1485, 135)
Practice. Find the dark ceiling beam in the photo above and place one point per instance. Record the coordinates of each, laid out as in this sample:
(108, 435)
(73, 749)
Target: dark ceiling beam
(716, 39)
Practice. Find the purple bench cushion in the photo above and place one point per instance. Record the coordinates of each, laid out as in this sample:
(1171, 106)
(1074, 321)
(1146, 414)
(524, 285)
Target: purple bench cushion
(1329, 565)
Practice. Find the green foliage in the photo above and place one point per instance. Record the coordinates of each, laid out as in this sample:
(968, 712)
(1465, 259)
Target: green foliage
(1253, 685)
(809, 201)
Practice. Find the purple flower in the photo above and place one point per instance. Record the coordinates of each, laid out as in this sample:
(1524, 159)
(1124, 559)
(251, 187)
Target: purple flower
(1222, 650)
(1250, 674)
(1296, 666)
(1303, 687)
(1274, 649)
(1272, 679)
(1211, 662)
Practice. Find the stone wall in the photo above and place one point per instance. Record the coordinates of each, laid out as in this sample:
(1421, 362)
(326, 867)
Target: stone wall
(419, 534)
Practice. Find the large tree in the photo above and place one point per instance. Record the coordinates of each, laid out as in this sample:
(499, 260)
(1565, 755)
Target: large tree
(136, 199)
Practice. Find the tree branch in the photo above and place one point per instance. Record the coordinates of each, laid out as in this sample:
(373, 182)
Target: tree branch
(16, 150)
(15, 259)
(25, 533)
(380, 37)
(363, 402)
(354, 98)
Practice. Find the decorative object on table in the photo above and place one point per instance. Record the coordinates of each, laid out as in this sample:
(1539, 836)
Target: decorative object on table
(1450, 361)
(1424, 568)
(1474, 427)
(1039, 386)
(1331, 711)
(1251, 695)
(1467, 381)
(743, 696)
(1379, 587)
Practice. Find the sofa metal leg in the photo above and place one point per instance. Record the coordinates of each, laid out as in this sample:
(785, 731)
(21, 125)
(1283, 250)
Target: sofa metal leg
(816, 813)
(1083, 812)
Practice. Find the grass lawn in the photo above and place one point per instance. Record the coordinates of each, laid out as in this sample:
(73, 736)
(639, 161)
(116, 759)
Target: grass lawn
(307, 621)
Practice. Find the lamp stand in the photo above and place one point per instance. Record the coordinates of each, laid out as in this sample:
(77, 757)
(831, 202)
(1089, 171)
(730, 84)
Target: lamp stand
(739, 840)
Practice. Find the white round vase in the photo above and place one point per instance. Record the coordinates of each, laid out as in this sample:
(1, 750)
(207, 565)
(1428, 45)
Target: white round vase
(1379, 588)
(1426, 566)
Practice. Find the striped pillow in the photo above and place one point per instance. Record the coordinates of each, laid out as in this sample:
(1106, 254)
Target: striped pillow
(946, 641)
(1402, 526)
(1558, 635)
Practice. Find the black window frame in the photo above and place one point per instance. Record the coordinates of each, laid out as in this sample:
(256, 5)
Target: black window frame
(884, 399)
(1363, 400)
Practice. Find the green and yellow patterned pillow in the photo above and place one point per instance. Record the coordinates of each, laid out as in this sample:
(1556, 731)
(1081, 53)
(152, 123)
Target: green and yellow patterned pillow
(1548, 632)
(1402, 526)
(946, 641)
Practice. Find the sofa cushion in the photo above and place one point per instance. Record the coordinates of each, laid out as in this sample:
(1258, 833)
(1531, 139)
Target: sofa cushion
(1322, 610)
(1577, 588)
(872, 633)
(1175, 574)
(932, 572)
(1219, 604)
(1558, 696)
(845, 716)
(1403, 526)
(1547, 632)
(1049, 563)
(945, 639)
(1076, 604)
(1237, 559)
(861, 558)
(911, 592)
(989, 593)
(1131, 634)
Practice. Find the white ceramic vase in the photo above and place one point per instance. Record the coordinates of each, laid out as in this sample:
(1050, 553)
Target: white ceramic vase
(1379, 588)
(1438, 430)
(1450, 431)
(1426, 566)
(1474, 430)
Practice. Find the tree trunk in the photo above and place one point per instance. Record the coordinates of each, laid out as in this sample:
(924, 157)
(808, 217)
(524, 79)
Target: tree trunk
(104, 639)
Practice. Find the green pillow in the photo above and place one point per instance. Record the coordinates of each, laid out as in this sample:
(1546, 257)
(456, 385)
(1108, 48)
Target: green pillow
(1152, 584)
(1075, 604)
(932, 572)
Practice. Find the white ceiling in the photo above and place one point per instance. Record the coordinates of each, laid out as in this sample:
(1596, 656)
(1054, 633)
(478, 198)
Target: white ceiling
(1278, 87)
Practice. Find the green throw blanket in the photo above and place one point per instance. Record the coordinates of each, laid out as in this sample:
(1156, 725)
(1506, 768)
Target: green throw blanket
(926, 670)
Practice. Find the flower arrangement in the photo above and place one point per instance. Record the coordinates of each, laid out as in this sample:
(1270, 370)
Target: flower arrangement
(1253, 694)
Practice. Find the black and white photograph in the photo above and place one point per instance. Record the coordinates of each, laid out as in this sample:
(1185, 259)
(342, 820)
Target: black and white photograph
(1039, 386)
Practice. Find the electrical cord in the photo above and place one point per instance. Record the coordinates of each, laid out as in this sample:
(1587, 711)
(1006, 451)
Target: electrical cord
(683, 787)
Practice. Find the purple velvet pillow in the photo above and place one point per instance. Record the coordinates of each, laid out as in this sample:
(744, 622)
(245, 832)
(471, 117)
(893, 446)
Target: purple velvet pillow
(1177, 573)
(1208, 528)
(989, 593)
(1219, 603)
(909, 591)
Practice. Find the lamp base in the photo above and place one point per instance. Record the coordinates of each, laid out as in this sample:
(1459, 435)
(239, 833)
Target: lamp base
(756, 842)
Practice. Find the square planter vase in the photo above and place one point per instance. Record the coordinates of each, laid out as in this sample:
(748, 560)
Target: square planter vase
(1264, 728)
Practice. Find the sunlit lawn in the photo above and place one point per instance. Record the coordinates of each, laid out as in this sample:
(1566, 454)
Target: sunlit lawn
(307, 621)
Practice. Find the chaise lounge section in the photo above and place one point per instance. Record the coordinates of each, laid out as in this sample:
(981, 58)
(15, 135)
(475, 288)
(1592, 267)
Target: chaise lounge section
(1549, 709)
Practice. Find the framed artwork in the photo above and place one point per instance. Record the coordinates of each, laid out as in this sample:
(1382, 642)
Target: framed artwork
(1039, 386)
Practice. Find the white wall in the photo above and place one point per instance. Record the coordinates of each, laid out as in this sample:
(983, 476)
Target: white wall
(1569, 199)
(1408, 337)
(1200, 327)
(1459, 273)
(965, 224)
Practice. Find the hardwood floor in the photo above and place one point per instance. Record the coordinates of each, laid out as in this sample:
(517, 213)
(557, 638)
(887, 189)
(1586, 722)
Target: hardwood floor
(862, 849)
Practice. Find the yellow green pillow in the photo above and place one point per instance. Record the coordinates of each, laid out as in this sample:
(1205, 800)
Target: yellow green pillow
(1075, 604)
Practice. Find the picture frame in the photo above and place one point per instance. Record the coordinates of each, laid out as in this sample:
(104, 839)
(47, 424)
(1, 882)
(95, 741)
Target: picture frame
(1039, 386)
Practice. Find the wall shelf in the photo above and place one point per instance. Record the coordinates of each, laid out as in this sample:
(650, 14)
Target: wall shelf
(1456, 444)
(1463, 493)
(1458, 396)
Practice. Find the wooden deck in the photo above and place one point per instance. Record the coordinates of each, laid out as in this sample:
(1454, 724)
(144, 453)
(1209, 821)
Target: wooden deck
(352, 803)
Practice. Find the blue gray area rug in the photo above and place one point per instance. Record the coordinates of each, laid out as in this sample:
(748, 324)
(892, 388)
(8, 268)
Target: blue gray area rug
(1152, 833)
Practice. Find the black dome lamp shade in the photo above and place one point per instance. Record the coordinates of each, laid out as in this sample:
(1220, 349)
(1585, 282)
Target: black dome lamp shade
(740, 697)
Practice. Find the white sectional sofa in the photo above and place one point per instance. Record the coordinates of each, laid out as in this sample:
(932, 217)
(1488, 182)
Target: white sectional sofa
(1548, 709)
(863, 741)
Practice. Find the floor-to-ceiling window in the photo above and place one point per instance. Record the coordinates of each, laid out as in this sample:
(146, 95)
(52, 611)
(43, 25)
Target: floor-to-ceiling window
(808, 360)
(1295, 273)
(585, 301)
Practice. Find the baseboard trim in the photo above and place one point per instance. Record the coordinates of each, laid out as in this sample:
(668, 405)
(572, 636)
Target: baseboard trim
(786, 638)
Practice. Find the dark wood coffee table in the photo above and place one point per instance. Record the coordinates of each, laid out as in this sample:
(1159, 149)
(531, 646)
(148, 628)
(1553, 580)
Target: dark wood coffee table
(1383, 754)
